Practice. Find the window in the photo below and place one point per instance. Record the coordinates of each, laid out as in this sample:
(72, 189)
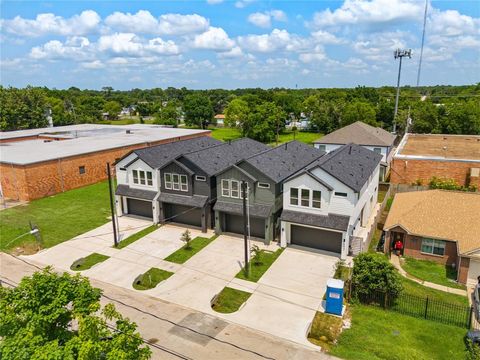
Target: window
(183, 183)
(322, 147)
(225, 188)
(142, 177)
(235, 189)
(176, 181)
(293, 196)
(149, 178)
(200, 178)
(434, 247)
(135, 176)
(377, 150)
(305, 197)
(168, 181)
(341, 194)
(81, 170)
(264, 185)
(316, 199)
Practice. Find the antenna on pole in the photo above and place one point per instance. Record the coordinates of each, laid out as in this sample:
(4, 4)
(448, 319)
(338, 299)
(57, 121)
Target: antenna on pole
(399, 54)
(423, 42)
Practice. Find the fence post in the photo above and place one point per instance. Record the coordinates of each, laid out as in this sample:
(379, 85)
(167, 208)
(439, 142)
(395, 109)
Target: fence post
(470, 318)
(426, 307)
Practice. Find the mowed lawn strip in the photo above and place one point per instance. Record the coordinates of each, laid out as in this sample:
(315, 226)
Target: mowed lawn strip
(59, 217)
(432, 272)
(306, 137)
(229, 300)
(412, 288)
(378, 334)
(88, 261)
(257, 271)
(183, 254)
(151, 278)
(136, 236)
(225, 133)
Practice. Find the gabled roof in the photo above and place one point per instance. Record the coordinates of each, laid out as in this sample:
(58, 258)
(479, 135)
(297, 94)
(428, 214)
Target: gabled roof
(284, 160)
(313, 176)
(350, 164)
(439, 214)
(330, 221)
(359, 133)
(159, 155)
(215, 159)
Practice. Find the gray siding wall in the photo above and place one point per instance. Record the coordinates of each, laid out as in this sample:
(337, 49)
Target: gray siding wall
(262, 196)
(199, 187)
(175, 169)
(234, 174)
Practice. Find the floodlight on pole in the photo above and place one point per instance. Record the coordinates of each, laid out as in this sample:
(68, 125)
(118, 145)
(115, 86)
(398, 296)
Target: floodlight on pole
(399, 54)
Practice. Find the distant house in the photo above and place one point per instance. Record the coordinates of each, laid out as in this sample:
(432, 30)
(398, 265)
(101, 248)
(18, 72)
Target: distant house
(372, 138)
(128, 111)
(328, 204)
(220, 120)
(438, 225)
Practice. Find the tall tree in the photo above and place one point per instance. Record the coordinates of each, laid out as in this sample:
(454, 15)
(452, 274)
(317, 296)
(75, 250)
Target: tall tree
(236, 114)
(113, 108)
(52, 316)
(265, 122)
(22, 108)
(198, 110)
(359, 111)
(168, 114)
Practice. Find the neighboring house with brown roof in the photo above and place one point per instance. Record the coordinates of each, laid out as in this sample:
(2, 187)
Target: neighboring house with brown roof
(438, 225)
(419, 157)
(372, 138)
(220, 119)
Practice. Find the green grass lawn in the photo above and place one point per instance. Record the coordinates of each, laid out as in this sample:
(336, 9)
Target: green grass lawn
(432, 272)
(372, 247)
(325, 330)
(342, 271)
(378, 334)
(136, 236)
(225, 133)
(229, 300)
(381, 196)
(412, 288)
(302, 136)
(126, 121)
(87, 262)
(389, 204)
(183, 254)
(151, 278)
(59, 217)
(256, 271)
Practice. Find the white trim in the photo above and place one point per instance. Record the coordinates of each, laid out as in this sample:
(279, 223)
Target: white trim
(225, 190)
(200, 178)
(167, 184)
(263, 185)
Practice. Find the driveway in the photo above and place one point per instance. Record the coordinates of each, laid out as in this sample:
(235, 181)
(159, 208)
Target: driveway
(289, 294)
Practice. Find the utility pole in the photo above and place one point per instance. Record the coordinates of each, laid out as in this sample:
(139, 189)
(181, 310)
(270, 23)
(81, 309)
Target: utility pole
(399, 54)
(114, 223)
(245, 225)
(423, 42)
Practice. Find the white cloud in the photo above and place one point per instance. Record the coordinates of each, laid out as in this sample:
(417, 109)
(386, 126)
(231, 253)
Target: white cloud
(325, 37)
(243, 3)
(214, 2)
(96, 64)
(177, 24)
(73, 48)
(318, 54)
(85, 23)
(370, 13)
(235, 52)
(276, 40)
(452, 23)
(264, 19)
(141, 22)
(129, 44)
(213, 39)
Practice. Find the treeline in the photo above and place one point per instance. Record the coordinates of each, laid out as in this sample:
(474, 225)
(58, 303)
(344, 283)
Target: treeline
(259, 113)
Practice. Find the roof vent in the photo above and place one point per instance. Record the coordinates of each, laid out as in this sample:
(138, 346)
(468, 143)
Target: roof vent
(128, 131)
(286, 145)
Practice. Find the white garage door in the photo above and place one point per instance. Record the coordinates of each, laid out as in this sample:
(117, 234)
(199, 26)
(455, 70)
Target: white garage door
(473, 271)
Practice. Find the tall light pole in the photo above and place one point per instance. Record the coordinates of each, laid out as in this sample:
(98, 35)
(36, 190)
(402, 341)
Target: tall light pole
(423, 43)
(399, 54)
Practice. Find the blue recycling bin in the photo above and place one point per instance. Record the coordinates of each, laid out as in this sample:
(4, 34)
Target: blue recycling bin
(334, 302)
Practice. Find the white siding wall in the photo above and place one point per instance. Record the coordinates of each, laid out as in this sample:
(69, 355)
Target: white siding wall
(384, 150)
(328, 147)
(140, 165)
(122, 174)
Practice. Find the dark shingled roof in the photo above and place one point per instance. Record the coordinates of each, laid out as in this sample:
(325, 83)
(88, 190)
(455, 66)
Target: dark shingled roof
(331, 221)
(256, 210)
(359, 133)
(218, 158)
(284, 160)
(159, 155)
(351, 164)
(126, 190)
(195, 200)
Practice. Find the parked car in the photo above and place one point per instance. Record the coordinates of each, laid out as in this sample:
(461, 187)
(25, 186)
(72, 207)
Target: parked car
(476, 300)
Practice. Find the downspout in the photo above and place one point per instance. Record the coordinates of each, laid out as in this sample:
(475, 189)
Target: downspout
(60, 172)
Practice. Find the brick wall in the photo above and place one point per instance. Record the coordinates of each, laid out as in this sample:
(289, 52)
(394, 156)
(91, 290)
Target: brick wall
(463, 266)
(35, 181)
(412, 247)
(409, 171)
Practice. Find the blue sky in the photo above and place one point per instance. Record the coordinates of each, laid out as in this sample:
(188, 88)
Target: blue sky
(235, 44)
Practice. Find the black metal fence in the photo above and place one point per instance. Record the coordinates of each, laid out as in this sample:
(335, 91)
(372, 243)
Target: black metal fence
(420, 307)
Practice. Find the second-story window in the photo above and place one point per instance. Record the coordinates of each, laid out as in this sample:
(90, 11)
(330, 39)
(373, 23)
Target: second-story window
(142, 177)
(235, 189)
(135, 176)
(305, 197)
(316, 199)
(183, 183)
(176, 181)
(149, 178)
(293, 196)
(225, 188)
(168, 181)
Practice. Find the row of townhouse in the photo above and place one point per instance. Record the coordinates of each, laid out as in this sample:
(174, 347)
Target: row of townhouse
(297, 194)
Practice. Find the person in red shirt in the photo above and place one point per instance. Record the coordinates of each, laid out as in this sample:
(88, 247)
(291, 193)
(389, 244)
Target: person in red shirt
(398, 246)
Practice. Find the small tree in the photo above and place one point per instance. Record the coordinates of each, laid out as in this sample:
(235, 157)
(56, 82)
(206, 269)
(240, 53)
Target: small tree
(374, 273)
(186, 238)
(59, 317)
(257, 255)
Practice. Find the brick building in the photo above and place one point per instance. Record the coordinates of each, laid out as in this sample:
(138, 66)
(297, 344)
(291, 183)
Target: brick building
(438, 225)
(420, 157)
(41, 162)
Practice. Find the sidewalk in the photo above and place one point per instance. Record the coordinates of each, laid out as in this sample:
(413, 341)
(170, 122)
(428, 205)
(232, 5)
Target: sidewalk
(396, 262)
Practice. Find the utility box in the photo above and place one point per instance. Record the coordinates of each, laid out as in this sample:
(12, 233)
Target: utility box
(334, 302)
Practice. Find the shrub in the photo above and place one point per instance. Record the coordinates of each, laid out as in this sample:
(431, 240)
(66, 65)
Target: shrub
(257, 255)
(473, 350)
(449, 184)
(186, 238)
(373, 272)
